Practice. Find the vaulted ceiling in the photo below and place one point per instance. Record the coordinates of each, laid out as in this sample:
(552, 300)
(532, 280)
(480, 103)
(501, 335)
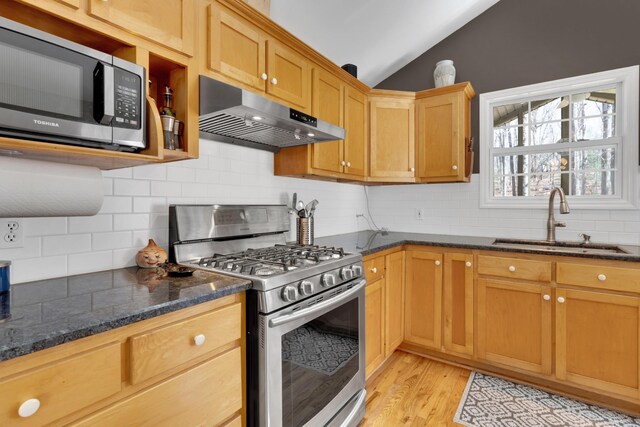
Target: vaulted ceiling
(379, 36)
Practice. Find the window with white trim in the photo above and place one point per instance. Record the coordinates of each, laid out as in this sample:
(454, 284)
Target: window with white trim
(580, 134)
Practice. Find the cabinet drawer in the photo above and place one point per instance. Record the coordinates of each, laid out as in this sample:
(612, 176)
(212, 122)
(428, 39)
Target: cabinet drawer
(165, 348)
(515, 268)
(599, 276)
(374, 269)
(62, 387)
(204, 395)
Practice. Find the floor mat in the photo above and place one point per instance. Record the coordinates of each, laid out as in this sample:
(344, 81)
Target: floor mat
(494, 402)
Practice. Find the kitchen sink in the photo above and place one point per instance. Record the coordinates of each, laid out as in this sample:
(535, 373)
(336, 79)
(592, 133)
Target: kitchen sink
(565, 247)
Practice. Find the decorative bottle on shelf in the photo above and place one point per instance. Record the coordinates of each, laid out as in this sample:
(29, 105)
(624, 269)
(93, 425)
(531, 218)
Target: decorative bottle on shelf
(445, 73)
(168, 117)
(168, 110)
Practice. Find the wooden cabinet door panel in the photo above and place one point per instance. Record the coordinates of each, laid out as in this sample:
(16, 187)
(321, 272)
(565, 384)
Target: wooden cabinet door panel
(290, 72)
(167, 22)
(392, 139)
(597, 342)
(458, 303)
(374, 325)
(356, 127)
(236, 48)
(394, 301)
(328, 105)
(423, 299)
(514, 324)
(440, 125)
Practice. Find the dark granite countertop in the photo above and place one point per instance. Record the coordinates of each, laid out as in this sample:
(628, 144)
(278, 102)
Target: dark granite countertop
(51, 312)
(369, 242)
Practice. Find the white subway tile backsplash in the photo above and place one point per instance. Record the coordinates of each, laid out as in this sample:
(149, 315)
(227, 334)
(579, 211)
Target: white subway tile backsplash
(155, 172)
(66, 244)
(116, 204)
(180, 174)
(131, 187)
(28, 269)
(90, 261)
(149, 204)
(44, 226)
(90, 224)
(113, 240)
(130, 221)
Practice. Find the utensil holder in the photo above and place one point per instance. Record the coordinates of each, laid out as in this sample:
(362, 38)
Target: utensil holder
(304, 227)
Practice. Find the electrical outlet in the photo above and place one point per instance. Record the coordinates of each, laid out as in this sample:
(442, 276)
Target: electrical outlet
(11, 233)
(419, 214)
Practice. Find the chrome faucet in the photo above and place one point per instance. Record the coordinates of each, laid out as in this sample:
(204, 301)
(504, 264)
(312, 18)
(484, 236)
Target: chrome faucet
(551, 221)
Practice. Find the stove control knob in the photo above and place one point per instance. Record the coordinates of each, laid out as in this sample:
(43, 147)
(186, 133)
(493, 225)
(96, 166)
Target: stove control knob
(289, 293)
(346, 273)
(305, 288)
(328, 280)
(357, 270)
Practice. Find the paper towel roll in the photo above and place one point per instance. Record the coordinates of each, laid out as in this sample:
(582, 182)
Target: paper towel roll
(31, 188)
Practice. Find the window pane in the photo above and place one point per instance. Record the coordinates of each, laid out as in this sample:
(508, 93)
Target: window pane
(593, 128)
(594, 103)
(594, 159)
(509, 137)
(541, 184)
(507, 115)
(593, 184)
(549, 133)
(547, 110)
(531, 163)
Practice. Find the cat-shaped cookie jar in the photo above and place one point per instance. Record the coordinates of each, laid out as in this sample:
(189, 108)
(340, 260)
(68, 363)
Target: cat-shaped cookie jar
(151, 256)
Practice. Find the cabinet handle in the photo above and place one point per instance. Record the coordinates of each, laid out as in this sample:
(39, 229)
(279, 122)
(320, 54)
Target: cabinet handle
(199, 339)
(28, 408)
(264, 76)
(468, 263)
(274, 81)
(437, 262)
(454, 167)
(343, 163)
(546, 297)
(374, 270)
(561, 300)
(512, 268)
(348, 164)
(412, 169)
(602, 277)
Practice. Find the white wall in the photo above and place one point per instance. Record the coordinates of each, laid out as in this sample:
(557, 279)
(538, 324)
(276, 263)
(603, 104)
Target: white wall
(136, 209)
(453, 209)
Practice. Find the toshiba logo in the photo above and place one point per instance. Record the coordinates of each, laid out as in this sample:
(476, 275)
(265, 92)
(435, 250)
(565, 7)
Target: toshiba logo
(43, 123)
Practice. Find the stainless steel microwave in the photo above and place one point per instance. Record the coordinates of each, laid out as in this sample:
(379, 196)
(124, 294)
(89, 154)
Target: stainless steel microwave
(54, 90)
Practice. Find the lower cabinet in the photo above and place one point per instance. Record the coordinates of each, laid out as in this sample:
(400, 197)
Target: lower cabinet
(514, 324)
(597, 344)
(374, 325)
(394, 301)
(423, 303)
(458, 303)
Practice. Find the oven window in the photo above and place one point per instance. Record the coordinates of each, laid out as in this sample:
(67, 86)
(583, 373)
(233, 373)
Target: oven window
(318, 359)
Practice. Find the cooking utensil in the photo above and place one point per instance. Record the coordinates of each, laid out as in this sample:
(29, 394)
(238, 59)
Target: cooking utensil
(314, 203)
(295, 200)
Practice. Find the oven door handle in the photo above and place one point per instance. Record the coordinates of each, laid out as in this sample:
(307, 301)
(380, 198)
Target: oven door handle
(335, 301)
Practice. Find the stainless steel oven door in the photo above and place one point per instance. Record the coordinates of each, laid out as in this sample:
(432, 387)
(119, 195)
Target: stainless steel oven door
(312, 361)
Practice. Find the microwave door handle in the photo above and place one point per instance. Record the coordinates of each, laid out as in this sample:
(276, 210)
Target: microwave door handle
(332, 302)
(104, 80)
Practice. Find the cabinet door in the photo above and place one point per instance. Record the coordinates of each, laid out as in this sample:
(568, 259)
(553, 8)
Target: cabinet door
(514, 324)
(355, 124)
(423, 302)
(167, 22)
(392, 139)
(327, 104)
(374, 325)
(458, 303)
(441, 136)
(394, 296)
(597, 343)
(236, 48)
(289, 76)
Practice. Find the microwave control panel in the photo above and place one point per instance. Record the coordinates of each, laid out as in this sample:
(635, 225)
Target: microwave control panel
(127, 100)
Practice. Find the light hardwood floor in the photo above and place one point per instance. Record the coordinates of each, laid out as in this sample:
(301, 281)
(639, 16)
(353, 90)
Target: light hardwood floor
(414, 391)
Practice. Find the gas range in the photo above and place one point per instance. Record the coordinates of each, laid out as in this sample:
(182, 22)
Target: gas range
(249, 242)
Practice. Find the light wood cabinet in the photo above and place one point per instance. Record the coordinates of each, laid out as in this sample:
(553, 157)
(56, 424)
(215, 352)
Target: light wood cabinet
(458, 303)
(514, 324)
(394, 301)
(443, 133)
(168, 22)
(356, 127)
(240, 50)
(374, 325)
(328, 105)
(597, 344)
(392, 140)
(423, 301)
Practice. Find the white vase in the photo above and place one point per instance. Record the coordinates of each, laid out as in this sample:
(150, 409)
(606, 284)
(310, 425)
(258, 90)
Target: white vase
(445, 73)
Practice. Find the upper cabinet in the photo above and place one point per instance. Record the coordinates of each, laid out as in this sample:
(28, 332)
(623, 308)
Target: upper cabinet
(356, 127)
(443, 133)
(328, 105)
(167, 22)
(241, 51)
(392, 137)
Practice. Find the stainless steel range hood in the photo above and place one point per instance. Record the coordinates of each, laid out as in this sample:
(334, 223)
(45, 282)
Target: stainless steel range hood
(237, 116)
